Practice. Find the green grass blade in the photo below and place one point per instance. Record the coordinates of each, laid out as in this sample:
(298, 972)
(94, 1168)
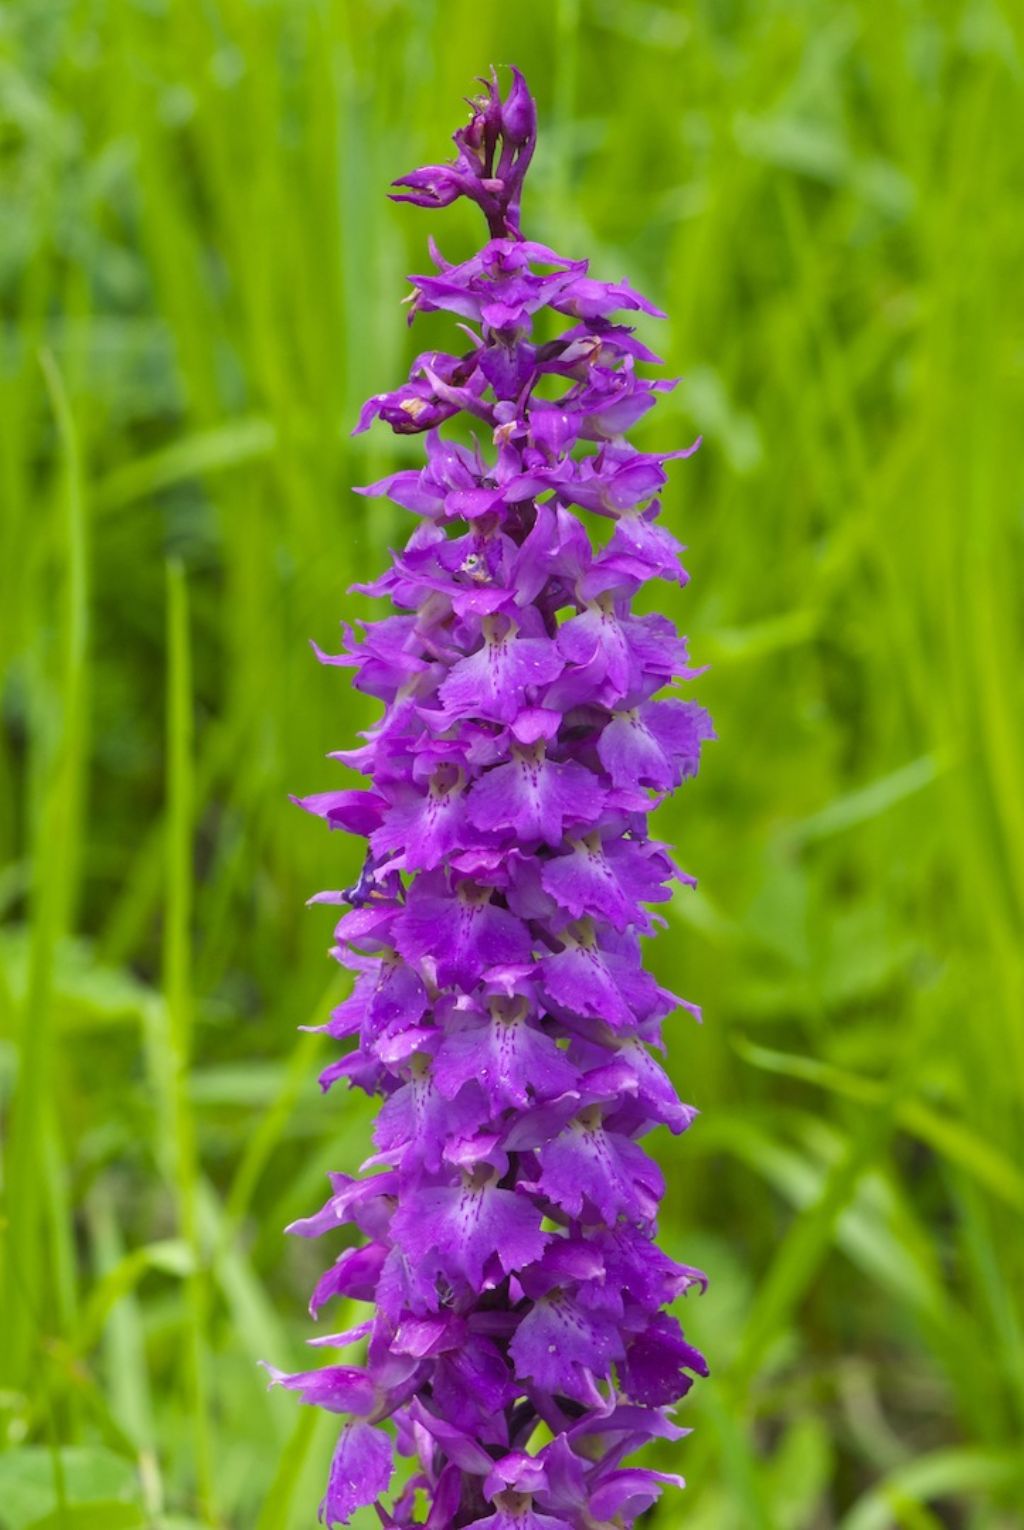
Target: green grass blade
(177, 961)
(38, 1254)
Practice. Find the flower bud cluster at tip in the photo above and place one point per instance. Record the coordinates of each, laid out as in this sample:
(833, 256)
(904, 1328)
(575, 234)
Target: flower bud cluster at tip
(504, 1230)
(494, 151)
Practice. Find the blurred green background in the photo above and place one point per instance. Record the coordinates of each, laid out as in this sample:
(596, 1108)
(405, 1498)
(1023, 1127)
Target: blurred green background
(200, 278)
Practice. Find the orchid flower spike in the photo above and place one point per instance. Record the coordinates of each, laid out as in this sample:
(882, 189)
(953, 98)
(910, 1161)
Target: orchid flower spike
(502, 1235)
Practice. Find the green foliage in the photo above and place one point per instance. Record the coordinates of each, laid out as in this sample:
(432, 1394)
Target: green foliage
(81, 1487)
(199, 279)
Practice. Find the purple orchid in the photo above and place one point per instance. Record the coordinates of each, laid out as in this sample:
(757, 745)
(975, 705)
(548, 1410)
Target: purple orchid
(504, 1232)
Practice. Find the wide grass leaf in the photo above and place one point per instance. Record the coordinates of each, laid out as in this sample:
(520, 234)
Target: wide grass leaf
(92, 1479)
(942, 1474)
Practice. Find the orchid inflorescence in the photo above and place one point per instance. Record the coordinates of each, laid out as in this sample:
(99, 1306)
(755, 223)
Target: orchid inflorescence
(518, 1340)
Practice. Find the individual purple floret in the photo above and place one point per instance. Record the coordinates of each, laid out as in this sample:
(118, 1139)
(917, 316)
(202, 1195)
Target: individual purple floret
(503, 1235)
